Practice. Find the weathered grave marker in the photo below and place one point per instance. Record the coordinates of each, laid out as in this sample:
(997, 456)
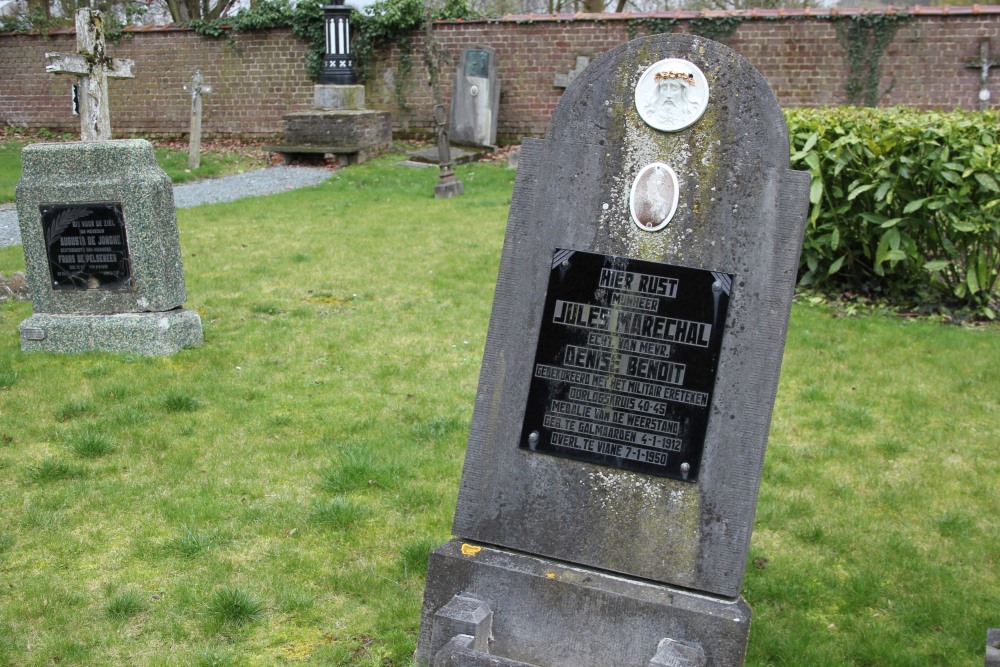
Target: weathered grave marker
(94, 68)
(448, 184)
(197, 89)
(630, 371)
(563, 80)
(475, 99)
(100, 239)
(984, 65)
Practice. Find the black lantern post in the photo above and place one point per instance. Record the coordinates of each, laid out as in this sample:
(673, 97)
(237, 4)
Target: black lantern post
(338, 64)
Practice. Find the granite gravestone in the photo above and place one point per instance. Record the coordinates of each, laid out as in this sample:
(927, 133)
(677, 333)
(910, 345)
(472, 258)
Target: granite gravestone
(631, 366)
(100, 237)
(475, 99)
(102, 251)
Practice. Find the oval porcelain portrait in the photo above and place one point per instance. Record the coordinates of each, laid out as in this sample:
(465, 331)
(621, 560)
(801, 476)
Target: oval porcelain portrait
(671, 95)
(653, 199)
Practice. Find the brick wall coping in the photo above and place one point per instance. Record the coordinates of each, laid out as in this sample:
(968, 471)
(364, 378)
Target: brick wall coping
(680, 14)
(805, 12)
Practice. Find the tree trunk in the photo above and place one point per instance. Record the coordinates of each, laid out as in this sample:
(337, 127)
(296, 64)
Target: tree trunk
(178, 12)
(593, 6)
(39, 7)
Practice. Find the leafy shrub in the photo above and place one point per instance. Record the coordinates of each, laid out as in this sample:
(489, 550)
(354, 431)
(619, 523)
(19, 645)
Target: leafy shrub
(903, 204)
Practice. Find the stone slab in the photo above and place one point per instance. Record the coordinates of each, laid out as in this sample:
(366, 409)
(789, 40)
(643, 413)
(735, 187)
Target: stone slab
(333, 98)
(553, 614)
(459, 155)
(370, 131)
(148, 334)
(993, 647)
(741, 211)
(124, 172)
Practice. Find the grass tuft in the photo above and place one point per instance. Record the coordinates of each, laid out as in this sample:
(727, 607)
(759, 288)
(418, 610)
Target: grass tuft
(414, 556)
(8, 376)
(210, 658)
(359, 470)
(339, 513)
(53, 470)
(124, 605)
(74, 408)
(235, 606)
(191, 542)
(176, 400)
(92, 445)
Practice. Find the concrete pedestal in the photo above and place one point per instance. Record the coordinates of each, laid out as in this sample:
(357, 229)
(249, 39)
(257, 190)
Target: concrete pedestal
(149, 334)
(550, 614)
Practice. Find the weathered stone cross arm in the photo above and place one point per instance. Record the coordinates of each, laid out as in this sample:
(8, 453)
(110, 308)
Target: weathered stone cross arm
(94, 69)
(65, 63)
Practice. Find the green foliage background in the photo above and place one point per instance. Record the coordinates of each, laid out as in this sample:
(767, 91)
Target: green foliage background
(903, 205)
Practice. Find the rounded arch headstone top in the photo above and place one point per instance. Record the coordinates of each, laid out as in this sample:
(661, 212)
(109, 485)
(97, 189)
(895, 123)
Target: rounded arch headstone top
(742, 109)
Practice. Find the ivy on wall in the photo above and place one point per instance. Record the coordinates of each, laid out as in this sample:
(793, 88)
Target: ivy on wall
(650, 25)
(865, 38)
(716, 28)
(387, 23)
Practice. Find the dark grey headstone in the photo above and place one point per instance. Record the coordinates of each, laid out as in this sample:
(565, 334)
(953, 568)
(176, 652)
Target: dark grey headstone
(630, 369)
(740, 212)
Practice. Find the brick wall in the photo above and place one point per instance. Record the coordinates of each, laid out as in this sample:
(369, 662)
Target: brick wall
(261, 77)
(255, 81)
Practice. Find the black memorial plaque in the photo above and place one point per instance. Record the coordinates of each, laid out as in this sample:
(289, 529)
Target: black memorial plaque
(86, 246)
(477, 63)
(626, 363)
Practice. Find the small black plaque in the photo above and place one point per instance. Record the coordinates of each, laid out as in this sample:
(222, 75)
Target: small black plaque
(86, 246)
(626, 363)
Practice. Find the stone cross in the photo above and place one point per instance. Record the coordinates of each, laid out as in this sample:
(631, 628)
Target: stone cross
(194, 144)
(983, 65)
(448, 185)
(93, 67)
(563, 80)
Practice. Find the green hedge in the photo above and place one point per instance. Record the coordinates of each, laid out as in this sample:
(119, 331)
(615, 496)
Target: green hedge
(903, 205)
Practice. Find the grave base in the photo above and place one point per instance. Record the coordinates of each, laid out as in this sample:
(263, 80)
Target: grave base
(551, 614)
(993, 647)
(148, 334)
(368, 132)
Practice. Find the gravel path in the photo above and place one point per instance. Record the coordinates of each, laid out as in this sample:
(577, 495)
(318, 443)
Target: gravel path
(211, 191)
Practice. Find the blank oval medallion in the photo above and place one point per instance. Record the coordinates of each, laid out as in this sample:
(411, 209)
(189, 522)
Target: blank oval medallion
(653, 200)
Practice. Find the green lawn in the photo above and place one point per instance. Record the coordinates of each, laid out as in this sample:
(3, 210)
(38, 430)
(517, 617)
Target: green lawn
(270, 497)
